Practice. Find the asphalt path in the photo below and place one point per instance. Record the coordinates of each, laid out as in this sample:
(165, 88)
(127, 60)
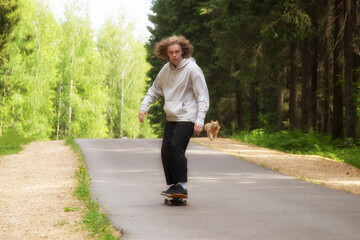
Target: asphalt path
(228, 198)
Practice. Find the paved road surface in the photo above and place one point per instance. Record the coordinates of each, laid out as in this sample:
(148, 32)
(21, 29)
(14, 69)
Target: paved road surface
(228, 198)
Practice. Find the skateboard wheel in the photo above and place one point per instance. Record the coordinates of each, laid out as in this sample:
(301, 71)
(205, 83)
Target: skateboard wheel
(168, 202)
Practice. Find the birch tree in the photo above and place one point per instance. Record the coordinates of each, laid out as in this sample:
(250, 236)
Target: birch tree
(125, 78)
(83, 99)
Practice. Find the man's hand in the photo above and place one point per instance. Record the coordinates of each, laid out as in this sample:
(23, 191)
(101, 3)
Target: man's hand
(142, 114)
(198, 129)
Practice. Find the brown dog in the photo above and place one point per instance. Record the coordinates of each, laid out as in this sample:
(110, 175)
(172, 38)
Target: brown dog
(212, 129)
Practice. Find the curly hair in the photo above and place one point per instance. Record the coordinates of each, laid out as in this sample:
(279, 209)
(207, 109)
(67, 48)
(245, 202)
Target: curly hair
(162, 46)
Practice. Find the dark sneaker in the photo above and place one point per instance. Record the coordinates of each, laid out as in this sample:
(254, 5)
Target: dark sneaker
(169, 191)
(178, 192)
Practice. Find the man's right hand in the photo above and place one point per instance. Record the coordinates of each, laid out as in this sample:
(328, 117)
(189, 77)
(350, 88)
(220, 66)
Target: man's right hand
(142, 114)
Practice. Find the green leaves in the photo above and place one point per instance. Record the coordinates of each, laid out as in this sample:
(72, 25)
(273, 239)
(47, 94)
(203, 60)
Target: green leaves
(9, 17)
(287, 21)
(59, 80)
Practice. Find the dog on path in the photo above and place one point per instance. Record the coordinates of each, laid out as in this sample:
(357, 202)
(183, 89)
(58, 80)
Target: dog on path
(212, 128)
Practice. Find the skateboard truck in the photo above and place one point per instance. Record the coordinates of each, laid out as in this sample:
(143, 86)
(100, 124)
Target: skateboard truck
(174, 201)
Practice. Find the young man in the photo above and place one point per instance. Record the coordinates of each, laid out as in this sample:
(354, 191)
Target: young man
(182, 83)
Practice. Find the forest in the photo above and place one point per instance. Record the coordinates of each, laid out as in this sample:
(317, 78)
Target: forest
(269, 64)
(61, 78)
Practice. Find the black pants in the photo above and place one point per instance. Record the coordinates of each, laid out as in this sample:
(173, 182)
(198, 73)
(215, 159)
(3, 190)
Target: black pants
(175, 141)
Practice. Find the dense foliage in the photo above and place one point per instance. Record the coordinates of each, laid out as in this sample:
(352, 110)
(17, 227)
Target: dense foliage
(61, 78)
(9, 16)
(278, 65)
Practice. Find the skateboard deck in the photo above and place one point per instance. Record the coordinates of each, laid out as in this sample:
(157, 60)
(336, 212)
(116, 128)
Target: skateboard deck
(175, 199)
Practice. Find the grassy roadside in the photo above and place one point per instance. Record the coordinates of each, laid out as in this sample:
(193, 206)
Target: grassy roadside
(297, 142)
(95, 220)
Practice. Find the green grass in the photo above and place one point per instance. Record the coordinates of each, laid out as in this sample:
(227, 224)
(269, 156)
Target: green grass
(11, 142)
(300, 143)
(95, 220)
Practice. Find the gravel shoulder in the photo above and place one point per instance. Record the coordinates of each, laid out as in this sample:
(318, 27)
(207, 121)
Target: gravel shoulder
(37, 184)
(315, 169)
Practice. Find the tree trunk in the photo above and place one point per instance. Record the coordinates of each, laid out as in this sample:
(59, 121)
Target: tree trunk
(294, 122)
(327, 80)
(356, 56)
(349, 90)
(239, 101)
(122, 105)
(337, 120)
(314, 81)
(254, 105)
(70, 109)
(328, 69)
(306, 108)
(280, 100)
(59, 111)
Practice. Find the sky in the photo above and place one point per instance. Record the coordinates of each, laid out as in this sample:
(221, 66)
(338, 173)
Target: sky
(135, 11)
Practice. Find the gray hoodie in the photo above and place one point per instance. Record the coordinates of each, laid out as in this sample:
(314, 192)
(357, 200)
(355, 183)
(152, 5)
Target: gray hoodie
(185, 92)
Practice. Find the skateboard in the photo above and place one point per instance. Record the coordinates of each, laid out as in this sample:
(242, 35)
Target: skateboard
(175, 201)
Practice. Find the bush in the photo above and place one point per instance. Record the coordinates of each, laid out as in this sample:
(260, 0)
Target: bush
(11, 142)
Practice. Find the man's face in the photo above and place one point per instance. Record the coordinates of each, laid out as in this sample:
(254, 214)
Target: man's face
(175, 54)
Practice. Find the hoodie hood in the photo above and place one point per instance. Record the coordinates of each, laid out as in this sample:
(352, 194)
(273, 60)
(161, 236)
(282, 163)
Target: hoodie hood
(183, 63)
